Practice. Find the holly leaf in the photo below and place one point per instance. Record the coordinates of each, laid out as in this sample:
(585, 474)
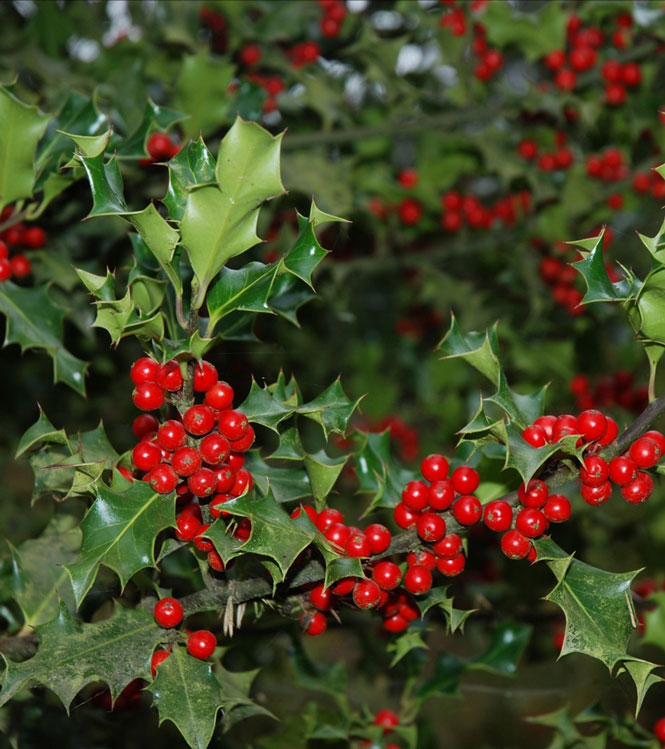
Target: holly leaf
(34, 321)
(509, 641)
(323, 472)
(290, 446)
(455, 618)
(262, 407)
(226, 544)
(404, 644)
(40, 432)
(193, 165)
(119, 531)
(72, 654)
(597, 605)
(642, 674)
(593, 270)
(480, 350)
(155, 118)
(332, 409)
(220, 220)
(274, 534)
(522, 409)
(38, 578)
(306, 253)
(286, 484)
(21, 128)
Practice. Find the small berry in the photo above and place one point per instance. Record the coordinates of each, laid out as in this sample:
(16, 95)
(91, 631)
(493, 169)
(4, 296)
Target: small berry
(379, 537)
(611, 433)
(34, 237)
(313, 624)
(244, 443)
(404, 516)
(387, 575)
(659, 730)
(638, 490)
(219, 396)
(186, 461)
(311, 513)
(215, 561)
(592, 424)
(233, 424)
(423, 557)
(467, 510)
(431, 527)
(158, 657)
(534, 436)
(327, 517)
(357, 545)
(366, 594)
(514, 545)
(205, 376)
(201, 644)
(203, 483)
(557, 508)
(199, 420)
(594, 470)
(337, 534)
(498, 515)
(622, 470)
(414, 495)
(465, 480)
(171, 435)
(214, 449)
(417, 580)
(169, 376)
(645, 452)
(596, 495)
(148, 396)
(144, 424)
(144, 370)
(531, 522)
(146, 455)
(320, 597)
(344, 586)
(451, 566)
(5, 269)
(187, 527)
(168, 612)
(162, 478)
(387, 719)
(440, 495)
(657, 437)
(434, 468)
(243, 483)
(448, 547)
(534, 494)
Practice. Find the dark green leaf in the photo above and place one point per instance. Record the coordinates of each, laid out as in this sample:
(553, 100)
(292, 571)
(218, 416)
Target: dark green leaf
(479, 349)
(194, 165)
(332, 409)
(262, 407)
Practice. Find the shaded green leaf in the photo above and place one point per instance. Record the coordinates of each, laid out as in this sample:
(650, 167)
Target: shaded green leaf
(479, 349)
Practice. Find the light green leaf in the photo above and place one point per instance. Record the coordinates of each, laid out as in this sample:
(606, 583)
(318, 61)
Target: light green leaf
(479, 349)
(323, 472)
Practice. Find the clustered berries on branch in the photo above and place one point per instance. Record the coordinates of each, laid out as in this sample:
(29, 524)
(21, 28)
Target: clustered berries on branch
(199, 455)
(17, 235)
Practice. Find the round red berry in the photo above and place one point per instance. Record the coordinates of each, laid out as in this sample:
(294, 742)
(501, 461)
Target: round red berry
(534, 494)
(422, 557)
(201, 644)
(448, 547)
(169, 376)
(379, 537)
(171, 435)
(5, 269)
(546, 423)
(199, 420)
(203, 483)
(159, 147)
(158, 657)
(531, 522)
(214, 449)
(187, 527)
(514, 545)
(205, 376)
(225, 479)
(596, 495)
(337, 534)
(219, 396)
(465, 480)
(659, 730)
(366, 594)
(440, 495)
(34, 237)
(215, 561)
(186, 461)
(320, 597)
(143, 370)
(357, 545)
(645, 452)
(311, 513)
(387, 719)
(417, 579)
(344, 586)
(313, 623)
(434, 468)
(622, 470)
(414, 495)
(243, 483)
(611, 433)
(451, 566)
(498, 515)
(594, 470)
(404, 516)
(202, 543)
(144, 424)
(327, 517)
(244, 443)
(534, 436)
(148, 396)
(431, 527)
(557, 508)
(146, 455)
(638, 490)
(168, 612)
(564, 426)
(387, 575)
(592, 424)
(162, 478)
(233, 424)
(467, 510)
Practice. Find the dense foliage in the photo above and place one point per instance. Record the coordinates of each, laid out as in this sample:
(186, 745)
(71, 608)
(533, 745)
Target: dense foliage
(263, 552)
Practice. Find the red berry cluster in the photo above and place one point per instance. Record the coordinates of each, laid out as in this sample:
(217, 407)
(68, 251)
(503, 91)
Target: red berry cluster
(519, 527)
(560, 277)
(303, 54)
(593, 428)
(617, 389)
(490, 60)
(273, 85)
(215, 24)
(608, 166)
(200, 455)
(644, 182)
(548, 161)
(18, 235)
(459, 210)
(334, 13)
(168, 612)
(387, 719)
(160, 147)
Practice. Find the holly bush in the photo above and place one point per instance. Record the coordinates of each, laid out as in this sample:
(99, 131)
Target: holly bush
(316, 374)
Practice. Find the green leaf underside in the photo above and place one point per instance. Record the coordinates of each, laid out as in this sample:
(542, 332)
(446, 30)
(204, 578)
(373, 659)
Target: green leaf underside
(119, 532)
(34, 321)
(72, 654)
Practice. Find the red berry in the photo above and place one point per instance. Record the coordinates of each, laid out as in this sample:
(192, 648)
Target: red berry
(379, 537)
(467, 510)
(233, 424)
(187, 527)
(201, 644)
(563, 426)
(216, 503)
(205, 376)
(244, 443)
(534, 436)
(171, 435)
(631, 75)
(215, 561)
(557, 508)
(250, 54)
(199, 420)
(4, 250)
(622, 470)
(527, 149)
(320, 597)
(594, 470)
(514, 545)
(387, 719)
(387, 575)
(311, 513)
(168, 612)
(451, 566)
(162, 478)
(534, 494)
(417, 579)
(465, 480)
(158, 657)
(395, 624)
(243, 483)
(645, 452)
(546, 423)
(219, 396)
(592, 424)
(448, 547)
(498, 515)
(202, 543)
(313, 623)
(431, 527)
(531, 522)
(337, 534)
(414, 495)
(404, 516)
(148, 396)
(186, 461)
(659, 730)
(169, 376)
(638, 490)
(408, 178)
(422, 557)
(555, 59)
(327, 517)
(146, 455)
(144, 424)
(344, 586)
(583, 58)
(203, 483)
(357, 545)
(440, 495)
(226, 478)
(214, 449)
(596, 495)
(20, 266)
(366, 594)
(159, 147)
(657, 437)
(34, 237)
(611, 433)
(615, 94)
(410, 211)
(434, 468)
(565, 79)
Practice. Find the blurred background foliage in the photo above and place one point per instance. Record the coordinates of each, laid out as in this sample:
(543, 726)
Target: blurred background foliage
(395, 88)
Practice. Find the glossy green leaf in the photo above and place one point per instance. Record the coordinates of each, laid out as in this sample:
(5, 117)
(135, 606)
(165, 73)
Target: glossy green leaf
(404, 644)
(599, 287)
(192, 166)
(39, 580)
(288, 296)
(262, 407)
(479, 349)
(154, 118)
(160, 238)
(286, 484)
(306, 254)
(332, 409)
(323, 472)
(34, 321)
(220, 221)
(290, 446)
(455, 618)
(522, 409)
(227, 546)
(105, 183)
(41, 431)
(119, 531)
(643, 676)
(21, 128)
(72, 654)
(509, 641)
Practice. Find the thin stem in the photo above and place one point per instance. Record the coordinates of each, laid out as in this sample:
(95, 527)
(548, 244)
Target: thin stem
(180, 314)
